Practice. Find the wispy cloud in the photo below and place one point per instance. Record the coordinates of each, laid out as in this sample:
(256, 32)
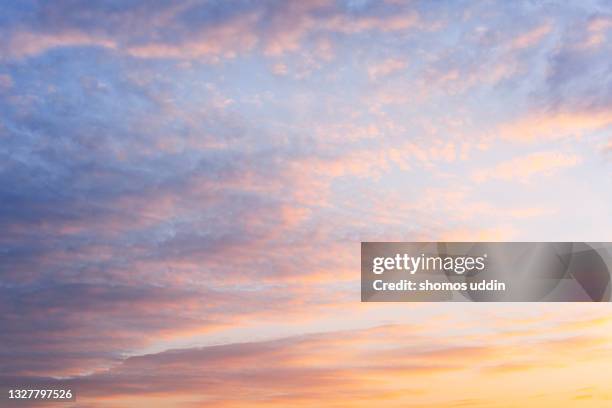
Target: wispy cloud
(524, 168)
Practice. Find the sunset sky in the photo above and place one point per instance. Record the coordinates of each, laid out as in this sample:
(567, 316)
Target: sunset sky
(184, 187)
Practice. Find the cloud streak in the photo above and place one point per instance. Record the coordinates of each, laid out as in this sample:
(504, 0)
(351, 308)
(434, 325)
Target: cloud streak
(357, 367)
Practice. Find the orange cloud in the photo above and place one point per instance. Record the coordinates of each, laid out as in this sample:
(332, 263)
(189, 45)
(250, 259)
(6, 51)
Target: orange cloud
(390, 365)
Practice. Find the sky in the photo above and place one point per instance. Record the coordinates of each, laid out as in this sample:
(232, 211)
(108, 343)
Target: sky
(184, 187)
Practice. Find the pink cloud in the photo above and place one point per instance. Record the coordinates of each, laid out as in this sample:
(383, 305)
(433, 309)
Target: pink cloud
(550, 126)
(386, 67)
(524, 168)
(366, 367)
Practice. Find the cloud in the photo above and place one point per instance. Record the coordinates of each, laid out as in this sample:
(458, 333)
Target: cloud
(386, 67)
(279, 69)
(77, 327)
(541, 127)
(368, 365)
(159, 185)
(192, 30)
(524, 168)
(23, 44)
(531, 37)
(106, 232)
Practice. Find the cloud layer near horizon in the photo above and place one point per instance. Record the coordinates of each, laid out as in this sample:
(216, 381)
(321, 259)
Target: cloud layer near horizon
(394, 365)
(175, 175)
